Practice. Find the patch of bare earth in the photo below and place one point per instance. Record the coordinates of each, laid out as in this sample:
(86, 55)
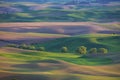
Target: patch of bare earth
(70, 28)
(28, 33)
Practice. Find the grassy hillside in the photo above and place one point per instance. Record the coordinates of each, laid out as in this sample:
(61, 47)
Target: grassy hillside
(109, 41)
(28, 64)
(26, 37)
(51, 12)
(39, 1)
(54, 15)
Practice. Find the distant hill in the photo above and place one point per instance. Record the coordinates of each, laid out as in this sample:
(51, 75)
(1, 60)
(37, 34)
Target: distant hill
(106, 1)
(61, 1)
(40, 1)
(59, 10)
(74, 2)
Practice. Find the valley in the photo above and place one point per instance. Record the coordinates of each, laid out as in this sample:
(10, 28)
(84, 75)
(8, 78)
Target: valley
(17, 63)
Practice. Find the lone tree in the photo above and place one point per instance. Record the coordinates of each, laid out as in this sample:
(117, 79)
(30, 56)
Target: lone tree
(23, 46)
(81, 50)
(32, 47)
(64, 49)
(103, 50)
(14, 79)
(41, 49)
(93, 50)
(113, 33)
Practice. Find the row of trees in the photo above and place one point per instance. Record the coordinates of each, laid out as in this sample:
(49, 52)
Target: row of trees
(83, 50)
(80, 50)
(30, 47)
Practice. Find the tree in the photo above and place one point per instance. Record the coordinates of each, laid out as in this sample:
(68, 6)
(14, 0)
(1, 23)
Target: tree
(31, 47)
(64, 49)
(23, 46)
(11, 45)
(103, 50)
(114, 33)
(81, 50)
(93, 50)
(14, 79)
(41, 49)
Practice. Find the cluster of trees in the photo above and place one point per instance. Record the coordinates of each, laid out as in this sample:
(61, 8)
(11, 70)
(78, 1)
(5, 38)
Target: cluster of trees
(30, 47)
(83, 50)
(80, 50)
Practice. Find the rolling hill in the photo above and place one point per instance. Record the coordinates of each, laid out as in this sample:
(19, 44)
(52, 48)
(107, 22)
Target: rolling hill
(38, 1)
(109, 41)
(41, 32)
(58, 12)
(27, 38)
(53, 15)
(26, 26)
(27, 64)
(61, 1)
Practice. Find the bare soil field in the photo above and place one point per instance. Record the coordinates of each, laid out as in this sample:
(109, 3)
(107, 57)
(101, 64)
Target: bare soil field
(36, 32)
(69, 28)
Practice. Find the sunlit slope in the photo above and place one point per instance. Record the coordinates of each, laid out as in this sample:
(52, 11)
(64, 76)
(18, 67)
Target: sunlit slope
(26, 37)
(109, 41)
(63, 28)
(27, 64)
